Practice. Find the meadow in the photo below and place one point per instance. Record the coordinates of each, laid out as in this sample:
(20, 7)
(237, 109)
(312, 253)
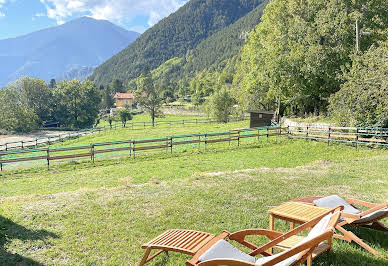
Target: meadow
(79, 213)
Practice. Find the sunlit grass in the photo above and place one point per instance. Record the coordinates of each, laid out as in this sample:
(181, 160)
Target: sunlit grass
(101, 213)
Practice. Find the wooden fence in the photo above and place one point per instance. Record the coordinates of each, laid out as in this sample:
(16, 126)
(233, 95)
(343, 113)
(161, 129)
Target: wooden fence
(133, 147)
(47, 141)
(352, 135)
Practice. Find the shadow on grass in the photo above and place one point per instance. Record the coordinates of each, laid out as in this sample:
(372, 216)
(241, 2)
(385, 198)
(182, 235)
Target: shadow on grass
(370, 236)
(10, 230)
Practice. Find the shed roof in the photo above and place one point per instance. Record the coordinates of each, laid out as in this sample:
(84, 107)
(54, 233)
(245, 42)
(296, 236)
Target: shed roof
(123, 95)
(260, 112)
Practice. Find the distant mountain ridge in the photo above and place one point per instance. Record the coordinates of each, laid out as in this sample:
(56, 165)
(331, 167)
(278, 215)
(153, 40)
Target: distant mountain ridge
(52, 52)
(178, 35)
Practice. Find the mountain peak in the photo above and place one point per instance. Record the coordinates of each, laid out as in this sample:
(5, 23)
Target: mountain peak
(54, 51)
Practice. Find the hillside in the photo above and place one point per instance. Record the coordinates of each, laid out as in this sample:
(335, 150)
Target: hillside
(224, 44)
(52, 52)
(174, 36)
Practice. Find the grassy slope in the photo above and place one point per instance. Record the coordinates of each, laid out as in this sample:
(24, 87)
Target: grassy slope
(102, 213)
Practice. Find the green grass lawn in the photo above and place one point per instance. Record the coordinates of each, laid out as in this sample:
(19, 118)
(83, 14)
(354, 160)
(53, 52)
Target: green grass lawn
(80, 213)
(152, 132)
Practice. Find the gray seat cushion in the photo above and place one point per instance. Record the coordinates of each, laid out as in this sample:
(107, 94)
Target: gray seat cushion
(376, 215)
(334, 201)
(224, 250)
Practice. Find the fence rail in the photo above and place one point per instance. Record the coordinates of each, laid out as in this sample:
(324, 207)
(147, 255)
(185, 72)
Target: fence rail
(352, 135)
(47, 141)
(132, 147)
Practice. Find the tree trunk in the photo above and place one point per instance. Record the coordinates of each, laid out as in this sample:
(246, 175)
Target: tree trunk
(153, 117)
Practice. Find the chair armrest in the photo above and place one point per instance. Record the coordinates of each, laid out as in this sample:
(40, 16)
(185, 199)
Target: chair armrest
(360, 202)
(375, 208)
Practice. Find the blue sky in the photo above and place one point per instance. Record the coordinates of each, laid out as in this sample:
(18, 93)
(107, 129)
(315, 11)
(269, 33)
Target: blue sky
(18, 17)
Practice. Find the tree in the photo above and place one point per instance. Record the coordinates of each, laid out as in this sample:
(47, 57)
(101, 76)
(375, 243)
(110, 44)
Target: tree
(125, 115)
(107, 97)
(36, 95)
(14, 114)
(117, 86)
(363, 98)
(52, 84)
(148, 96)
(296, 54)
(221, 105)
(77, 103)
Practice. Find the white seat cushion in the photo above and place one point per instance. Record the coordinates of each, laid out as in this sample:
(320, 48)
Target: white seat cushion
(335, 201)
(376, 215)
(224, 250)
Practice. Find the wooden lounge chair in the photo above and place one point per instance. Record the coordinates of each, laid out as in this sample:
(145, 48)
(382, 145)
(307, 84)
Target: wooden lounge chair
(217, 251)
(353, 216)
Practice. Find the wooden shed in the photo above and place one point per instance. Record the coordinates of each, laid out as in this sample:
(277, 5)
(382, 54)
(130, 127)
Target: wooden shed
(260, 118)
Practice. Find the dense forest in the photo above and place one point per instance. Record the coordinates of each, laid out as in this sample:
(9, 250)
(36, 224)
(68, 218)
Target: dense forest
(176, 36)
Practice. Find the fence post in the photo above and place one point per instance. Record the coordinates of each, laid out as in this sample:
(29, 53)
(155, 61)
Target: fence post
(267, 134)
(205, 141)
(288, 131)
(22, 144)
(258, 135)
(357, 139)
(6, 146)
(48, 158)
(130, 149)
(144, 124)
(133, 149)
(48, 141)
(92, 152)
(307, 132)
(238, 139)
(328, 137)
(171, 143)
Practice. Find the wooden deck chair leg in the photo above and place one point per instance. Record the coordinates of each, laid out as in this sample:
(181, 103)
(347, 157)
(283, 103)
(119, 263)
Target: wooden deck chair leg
(349, 236)
(146, 257)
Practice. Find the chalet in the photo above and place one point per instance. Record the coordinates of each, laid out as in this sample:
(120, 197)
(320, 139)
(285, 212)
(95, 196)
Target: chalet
(124, 99)
(260, 118)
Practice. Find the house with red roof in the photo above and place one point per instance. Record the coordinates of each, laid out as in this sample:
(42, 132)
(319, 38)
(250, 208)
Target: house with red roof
(124, 99)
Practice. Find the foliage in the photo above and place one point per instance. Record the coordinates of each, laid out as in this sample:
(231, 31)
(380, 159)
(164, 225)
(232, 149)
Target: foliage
(148, 96)
(76, 103)
(221, 105)
(52, 84)
(125, 115)
(363, 98)
(176, 36)
(35, 95)
(296, 54)
(14, 114)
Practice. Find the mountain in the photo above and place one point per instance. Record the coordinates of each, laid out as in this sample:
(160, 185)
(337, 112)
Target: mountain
(52, 52)
(174, 36)
(80, 73)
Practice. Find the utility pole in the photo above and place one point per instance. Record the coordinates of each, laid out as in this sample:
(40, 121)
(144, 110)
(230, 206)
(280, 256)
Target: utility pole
(357, 37)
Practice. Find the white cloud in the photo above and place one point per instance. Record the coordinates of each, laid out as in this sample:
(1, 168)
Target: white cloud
(118, 11)
(40, 14)
(2, 15)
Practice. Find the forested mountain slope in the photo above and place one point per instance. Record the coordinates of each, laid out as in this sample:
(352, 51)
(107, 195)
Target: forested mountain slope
(174, 36)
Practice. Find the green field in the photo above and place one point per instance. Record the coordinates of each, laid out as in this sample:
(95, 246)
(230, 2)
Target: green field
(80, 213)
